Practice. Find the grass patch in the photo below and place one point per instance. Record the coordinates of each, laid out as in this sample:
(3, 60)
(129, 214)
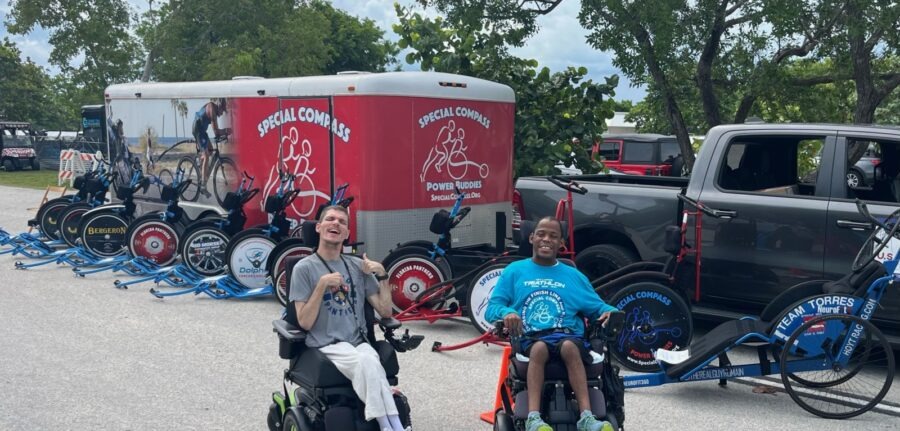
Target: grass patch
(29, 179)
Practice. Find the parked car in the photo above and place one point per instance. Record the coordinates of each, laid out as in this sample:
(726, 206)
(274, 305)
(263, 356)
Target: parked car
(640, 154)
(862, 173)
(784, 226)
(17, 146)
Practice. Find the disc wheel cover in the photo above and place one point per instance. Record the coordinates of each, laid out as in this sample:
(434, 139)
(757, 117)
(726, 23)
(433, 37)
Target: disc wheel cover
(409, 276)
(156, 241)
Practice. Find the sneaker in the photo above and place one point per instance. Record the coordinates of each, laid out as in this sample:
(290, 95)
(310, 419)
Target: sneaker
(535, 423)
(205, 192)
(589, 422)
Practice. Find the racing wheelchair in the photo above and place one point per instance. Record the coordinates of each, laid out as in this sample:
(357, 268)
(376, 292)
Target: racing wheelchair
(323, 399)
(558, 406)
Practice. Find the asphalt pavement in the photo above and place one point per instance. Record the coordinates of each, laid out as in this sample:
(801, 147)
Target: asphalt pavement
(79, 354)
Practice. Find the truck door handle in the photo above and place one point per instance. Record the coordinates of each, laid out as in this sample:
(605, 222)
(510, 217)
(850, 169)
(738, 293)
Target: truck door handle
(855, 225)
(725, 214)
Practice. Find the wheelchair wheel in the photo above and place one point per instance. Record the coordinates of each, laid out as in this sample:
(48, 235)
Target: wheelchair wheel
(656, 318)
(295, 421)
(852, 361)
(69, 220)
(503, 422)
(246, 256)
(48, 216)
(410, 271)
(154, 239)
(275, 264)
(102, 232)
(479, 293)
(203, 248)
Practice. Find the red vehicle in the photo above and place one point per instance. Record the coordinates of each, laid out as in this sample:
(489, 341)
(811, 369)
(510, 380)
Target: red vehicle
(640, 154)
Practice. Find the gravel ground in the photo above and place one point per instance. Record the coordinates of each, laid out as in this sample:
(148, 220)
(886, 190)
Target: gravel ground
(79, 354)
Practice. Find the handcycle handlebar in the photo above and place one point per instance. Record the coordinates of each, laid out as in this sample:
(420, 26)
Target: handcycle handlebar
(569, 185)
(249, 195)
(717, 213)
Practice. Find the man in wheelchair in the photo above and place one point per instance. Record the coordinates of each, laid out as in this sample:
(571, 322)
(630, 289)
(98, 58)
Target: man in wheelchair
(541, 303)
(328, 292)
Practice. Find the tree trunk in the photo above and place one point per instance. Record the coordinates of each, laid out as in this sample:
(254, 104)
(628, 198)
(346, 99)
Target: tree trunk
(148, 65)
(673, 112)
(704, 68)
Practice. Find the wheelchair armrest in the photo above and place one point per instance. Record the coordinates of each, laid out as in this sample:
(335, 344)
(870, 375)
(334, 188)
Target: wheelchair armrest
(289, 332)
(389, 323)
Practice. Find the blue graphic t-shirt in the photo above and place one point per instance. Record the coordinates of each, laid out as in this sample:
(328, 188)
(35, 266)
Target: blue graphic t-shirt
(545, 297)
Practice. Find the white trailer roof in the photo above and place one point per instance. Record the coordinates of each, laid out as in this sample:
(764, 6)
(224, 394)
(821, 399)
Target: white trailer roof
(420, 84)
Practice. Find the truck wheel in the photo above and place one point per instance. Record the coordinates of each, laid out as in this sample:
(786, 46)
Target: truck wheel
(35, 164)
(17, 164)
(599, 260)
(8, 165)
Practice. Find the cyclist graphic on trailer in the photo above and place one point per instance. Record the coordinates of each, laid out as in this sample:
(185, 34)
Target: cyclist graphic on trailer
(208, 114)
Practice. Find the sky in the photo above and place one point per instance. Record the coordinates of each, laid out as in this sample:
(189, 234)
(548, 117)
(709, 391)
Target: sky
(554, 46)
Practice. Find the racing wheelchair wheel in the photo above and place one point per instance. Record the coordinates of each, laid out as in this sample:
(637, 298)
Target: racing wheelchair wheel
(849, 362)
(70, 220)
(152, 238)
(246, 256)
(102, 232)
(656, 317)
(203, 248)
(48, 216)
(410, 272)
(275, 265)
(479, 293)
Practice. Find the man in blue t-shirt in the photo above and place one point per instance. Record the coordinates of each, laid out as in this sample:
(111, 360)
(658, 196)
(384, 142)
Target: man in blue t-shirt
(543, 301)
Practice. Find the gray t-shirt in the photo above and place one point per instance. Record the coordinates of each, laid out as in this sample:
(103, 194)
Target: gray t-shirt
(341, 317)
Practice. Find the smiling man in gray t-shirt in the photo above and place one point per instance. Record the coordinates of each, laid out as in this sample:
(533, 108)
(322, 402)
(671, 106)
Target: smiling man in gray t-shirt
(328, 290)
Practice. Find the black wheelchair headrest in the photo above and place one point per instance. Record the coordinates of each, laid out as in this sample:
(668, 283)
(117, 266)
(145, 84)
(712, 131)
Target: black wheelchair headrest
(440, 222)
(231, 202)
(672, 243)
(308, 233)
(124, 192)
(274, 204)
(168, 193)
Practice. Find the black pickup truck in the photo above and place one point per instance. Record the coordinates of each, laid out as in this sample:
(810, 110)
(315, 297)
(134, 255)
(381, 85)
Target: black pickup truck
(788, 212)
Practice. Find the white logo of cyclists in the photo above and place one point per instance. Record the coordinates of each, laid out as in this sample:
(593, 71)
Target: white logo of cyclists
(295, 156)
(543, 309)
(449, 152)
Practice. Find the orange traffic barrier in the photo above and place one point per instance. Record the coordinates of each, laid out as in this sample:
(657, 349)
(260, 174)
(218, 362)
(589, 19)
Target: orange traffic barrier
(488, 416)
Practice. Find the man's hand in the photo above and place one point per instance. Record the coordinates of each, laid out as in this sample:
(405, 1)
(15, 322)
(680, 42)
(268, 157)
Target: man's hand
(603, 318)
(332, 281)
(513, 324)
(372, 267)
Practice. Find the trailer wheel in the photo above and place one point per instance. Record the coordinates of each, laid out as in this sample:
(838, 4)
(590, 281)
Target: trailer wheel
(599, 260)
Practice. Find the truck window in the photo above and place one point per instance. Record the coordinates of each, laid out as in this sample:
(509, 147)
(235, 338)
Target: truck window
(638, 152)
(668, 150)
(872, 171)
(610, 150)
(785, 165)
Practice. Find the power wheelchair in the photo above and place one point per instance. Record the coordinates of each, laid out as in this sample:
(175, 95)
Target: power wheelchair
(323, 399)
(558, 405)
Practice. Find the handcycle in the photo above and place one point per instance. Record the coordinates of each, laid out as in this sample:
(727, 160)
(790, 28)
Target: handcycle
(203, 243)
(246, 253)
(221, 168)
(101, 230)
(833, 362)
(322, 399)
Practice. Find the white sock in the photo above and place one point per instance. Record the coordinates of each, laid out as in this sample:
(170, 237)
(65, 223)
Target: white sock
(384, 424)
(395, 422)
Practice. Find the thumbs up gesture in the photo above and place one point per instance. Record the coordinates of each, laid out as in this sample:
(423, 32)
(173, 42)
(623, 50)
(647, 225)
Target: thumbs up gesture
(372, 267)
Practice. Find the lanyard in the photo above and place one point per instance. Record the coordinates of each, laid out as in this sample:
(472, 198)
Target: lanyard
(352, 294)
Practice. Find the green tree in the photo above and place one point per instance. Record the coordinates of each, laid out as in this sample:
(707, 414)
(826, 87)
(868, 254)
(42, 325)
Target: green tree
(28, 92)
(91, 39)
(202, 40)
(551, 108)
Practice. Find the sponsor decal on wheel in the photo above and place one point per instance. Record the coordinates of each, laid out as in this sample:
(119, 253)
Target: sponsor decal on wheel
(482, 287)
(204, 252)
(248, 262)
(156, 241)
(104, 235)
(409, 277)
